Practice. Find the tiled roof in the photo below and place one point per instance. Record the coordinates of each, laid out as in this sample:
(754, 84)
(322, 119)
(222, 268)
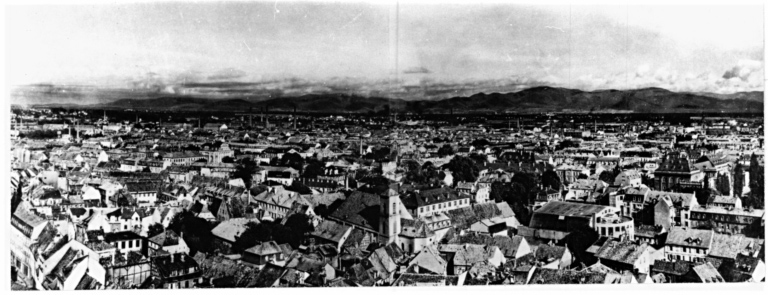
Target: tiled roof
(688, 237)
(265, 248)
(330, 230)
(361, 209)
(627, 252)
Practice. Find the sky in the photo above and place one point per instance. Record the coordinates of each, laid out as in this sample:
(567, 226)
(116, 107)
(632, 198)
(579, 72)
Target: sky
(682, 48)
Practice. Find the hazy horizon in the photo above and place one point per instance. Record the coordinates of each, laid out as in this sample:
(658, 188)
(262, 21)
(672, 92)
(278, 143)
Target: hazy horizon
(716, 49)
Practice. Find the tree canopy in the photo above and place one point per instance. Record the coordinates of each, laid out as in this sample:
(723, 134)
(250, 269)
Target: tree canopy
(463, 169)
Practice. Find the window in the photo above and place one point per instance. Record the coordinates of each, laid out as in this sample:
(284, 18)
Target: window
(122, 244)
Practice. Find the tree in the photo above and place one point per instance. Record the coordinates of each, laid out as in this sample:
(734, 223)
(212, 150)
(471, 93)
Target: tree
(245, 170)
(738, 180)
(299, 187)
(16, 199)
(516, 195)
(292, 233)
(463, 168)
(445, 150)
(550, 179)
(154, 229)
(479, 143)
(254, 234)
(379, 154)
(579, 239)
(313, 170)
(756, 198)
(197, 231)
(237, 207)
(723, 184)
(479, 159)
(293, 160)
(227, 160)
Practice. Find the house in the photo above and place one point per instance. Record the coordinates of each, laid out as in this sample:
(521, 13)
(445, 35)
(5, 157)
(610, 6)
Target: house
(276, 201)
(145, 193)
(126, 241)
(269, 276)
(625, 255)
(463, 256)
(385, 261)
(72, 267)
(431, 201)
(688, 244)
(565, 216)
(329, 231)
(743, 269)
(228, 231)
(415, 234)
(703, 273)
(553, 257)
(428, 280)
(668, 209)
(167, 242)
(266, 252)
(729, 220)
(428, 261)
(663, 271)
(176, 271)
(308, 271)
(515, 249)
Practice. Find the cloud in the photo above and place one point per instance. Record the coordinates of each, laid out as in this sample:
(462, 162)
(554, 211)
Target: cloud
(743, 69)
(417, 70)
(227, 74)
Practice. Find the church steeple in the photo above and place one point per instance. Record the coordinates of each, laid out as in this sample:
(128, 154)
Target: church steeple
(389, 217)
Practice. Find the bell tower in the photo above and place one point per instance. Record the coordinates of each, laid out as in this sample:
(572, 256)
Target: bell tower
(389, 217)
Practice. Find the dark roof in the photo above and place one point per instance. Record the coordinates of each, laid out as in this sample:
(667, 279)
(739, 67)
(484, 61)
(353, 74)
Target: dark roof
(415, 199)
(676, 268)
(268, 275)
(166, 238)
(122, 236)
(265, 248)
(165, 265)
(361, 209)
(330, 230)
(549, 253)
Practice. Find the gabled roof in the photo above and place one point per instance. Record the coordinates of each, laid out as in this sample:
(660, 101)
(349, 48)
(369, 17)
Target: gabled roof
(627, 252)
(330, 230)
(166, 238)
(265, 248)
(230, 229)
(429, 259)
(707, 273)
(689, 237)
(675, 268)
(361, 209)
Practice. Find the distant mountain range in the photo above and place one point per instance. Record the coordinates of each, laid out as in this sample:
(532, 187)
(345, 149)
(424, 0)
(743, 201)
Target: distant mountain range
(536, 99)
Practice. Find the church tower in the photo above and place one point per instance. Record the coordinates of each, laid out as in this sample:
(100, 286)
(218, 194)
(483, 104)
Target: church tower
(389, 217)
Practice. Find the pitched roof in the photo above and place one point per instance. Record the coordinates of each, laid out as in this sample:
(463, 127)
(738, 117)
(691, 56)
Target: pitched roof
(330, 230)
(361, 209)
(230, 229)
(166, 238)
(675, 268)
(708, 273)
(688, 237)
(429, 259)
(729, 246)
(265, 248)
(621, 251)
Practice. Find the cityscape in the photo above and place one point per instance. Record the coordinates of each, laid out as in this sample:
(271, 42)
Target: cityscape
(299, 144)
